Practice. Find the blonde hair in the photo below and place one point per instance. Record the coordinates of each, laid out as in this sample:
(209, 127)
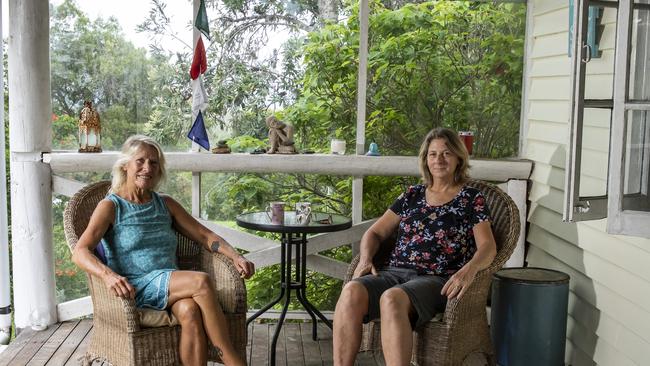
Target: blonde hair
(132, 146)
(455, 145)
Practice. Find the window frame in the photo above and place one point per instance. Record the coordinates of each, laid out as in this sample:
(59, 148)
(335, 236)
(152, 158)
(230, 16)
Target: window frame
(620, 220)
(576, 208)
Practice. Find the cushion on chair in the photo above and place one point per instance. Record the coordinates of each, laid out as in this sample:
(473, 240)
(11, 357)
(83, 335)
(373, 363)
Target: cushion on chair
(150, 318)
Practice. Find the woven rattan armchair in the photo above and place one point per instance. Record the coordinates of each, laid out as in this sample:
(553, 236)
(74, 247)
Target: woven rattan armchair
(118, 336)
(463, 328)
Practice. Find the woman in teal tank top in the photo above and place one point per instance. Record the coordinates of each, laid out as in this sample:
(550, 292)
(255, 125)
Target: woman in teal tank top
(136, 227)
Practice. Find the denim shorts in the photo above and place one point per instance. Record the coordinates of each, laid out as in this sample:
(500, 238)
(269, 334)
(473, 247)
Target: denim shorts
(423, 291)
(152, 289)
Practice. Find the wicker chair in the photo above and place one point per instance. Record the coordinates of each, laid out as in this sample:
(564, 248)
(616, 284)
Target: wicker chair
(118, 336)
(462, 329)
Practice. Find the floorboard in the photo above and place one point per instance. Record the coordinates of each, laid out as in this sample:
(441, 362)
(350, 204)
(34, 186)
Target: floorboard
(57, 338)
(70, 344)
(78, 353)
(65, 344)
(35, 343)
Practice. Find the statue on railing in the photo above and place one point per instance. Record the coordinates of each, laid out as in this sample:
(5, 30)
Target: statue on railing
(280, 137)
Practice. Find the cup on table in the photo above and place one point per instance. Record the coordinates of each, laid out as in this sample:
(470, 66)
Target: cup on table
(303, 213)
(337, 147)
(467, 137)
(275, 212)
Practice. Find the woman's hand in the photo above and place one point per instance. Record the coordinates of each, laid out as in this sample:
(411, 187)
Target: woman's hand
(245, 267)
(119, 286)
(363, 268)
(459, 282)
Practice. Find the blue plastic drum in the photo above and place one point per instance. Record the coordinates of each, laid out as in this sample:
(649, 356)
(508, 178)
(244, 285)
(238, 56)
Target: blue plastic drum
(528, 316)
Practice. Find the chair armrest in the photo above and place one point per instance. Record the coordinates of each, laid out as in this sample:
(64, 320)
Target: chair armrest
(473, 301)
(353, 265)
(231, 291)
(110, 310)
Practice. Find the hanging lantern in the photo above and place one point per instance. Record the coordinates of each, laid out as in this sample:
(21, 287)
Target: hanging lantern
(89, 129)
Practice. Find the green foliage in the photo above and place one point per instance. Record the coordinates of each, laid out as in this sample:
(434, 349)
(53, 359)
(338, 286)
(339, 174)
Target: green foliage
(91, 60)
(245, 144)
(446, 63)
(70, 280)
(65, 131)
(322, 291)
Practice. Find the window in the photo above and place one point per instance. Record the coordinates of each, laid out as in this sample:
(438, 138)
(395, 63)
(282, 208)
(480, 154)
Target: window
(610, 119)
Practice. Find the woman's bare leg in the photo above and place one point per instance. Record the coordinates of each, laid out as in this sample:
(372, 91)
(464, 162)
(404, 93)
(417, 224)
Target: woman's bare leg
(193, 346)
(348, 318)
(396, 332)
(198, 286)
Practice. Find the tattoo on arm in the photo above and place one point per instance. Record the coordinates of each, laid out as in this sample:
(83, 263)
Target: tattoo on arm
(219, 352)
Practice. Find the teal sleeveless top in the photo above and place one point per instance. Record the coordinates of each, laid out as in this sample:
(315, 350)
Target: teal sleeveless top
(141, 246)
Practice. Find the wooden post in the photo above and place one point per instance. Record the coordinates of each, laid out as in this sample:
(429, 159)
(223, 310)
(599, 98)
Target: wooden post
(196, 176)
(357, 182)
(30, 112)
(5, 300)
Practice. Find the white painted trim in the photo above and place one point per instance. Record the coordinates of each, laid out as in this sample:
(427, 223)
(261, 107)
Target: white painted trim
(357, 200)
(30, 130)
(517, 189)
(74, 309)
(620, 221)
(350, 165)
(526, 82)
(327, 266)
(66, 187)
(362, 80)
(5, 288)
(317, 243)
(196, 194)
(239, 239)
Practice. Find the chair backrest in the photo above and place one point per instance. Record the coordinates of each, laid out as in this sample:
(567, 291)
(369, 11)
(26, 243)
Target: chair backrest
(79, 209)
(505, 220)
(81, 206)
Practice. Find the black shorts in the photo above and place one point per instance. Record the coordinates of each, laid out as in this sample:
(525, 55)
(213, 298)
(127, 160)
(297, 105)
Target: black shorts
(423, 291)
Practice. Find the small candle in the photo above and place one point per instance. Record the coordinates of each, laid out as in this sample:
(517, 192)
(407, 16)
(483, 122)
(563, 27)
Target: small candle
(337, 146)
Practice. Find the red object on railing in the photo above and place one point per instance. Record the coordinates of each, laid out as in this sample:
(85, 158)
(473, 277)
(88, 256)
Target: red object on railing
(468, 139)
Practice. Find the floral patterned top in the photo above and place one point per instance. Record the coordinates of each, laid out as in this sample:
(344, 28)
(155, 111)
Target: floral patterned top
(437, 240)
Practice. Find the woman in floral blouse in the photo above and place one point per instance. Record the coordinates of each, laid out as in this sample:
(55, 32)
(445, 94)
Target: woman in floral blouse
(443, 239)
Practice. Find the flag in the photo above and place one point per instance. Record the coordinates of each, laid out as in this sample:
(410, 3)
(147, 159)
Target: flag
(199, 97)
(200, 60)
(201, 22)
(198, 133)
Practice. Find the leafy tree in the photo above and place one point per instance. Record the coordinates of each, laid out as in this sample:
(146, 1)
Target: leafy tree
(454, 64)
(91, 60)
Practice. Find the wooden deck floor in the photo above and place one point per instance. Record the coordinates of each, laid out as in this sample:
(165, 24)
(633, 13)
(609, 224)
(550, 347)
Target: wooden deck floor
(65, 343)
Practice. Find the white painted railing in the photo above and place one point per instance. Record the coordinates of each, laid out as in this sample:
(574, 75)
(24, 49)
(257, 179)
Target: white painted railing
(265, 252)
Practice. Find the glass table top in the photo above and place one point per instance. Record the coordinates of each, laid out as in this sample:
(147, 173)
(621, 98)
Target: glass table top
(320, 222)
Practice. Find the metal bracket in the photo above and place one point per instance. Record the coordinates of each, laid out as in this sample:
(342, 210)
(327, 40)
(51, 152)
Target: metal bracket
(582, 207)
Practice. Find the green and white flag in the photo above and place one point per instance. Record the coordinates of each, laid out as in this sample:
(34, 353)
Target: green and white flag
(201, 23)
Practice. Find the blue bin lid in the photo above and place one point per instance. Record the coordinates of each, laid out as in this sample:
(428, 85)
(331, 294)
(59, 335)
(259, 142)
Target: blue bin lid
(532, 275)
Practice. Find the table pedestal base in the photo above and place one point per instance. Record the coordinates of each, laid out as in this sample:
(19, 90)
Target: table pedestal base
(288, 283)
